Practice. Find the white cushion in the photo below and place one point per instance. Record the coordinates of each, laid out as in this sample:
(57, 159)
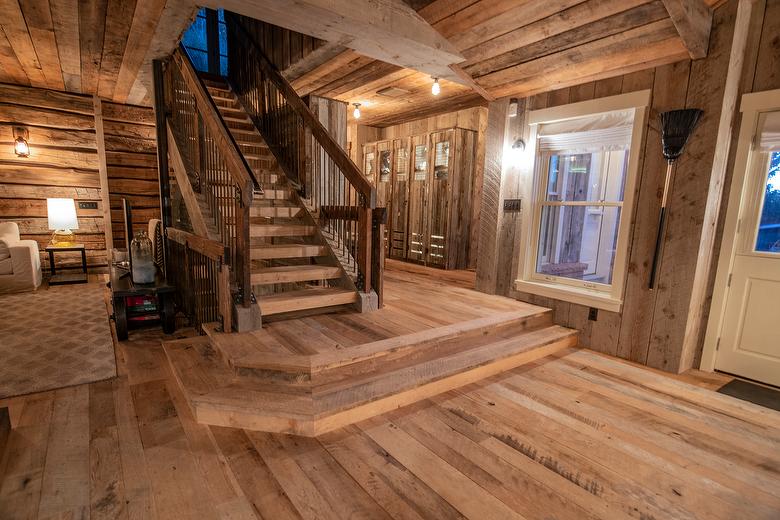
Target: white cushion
(4, 251)
(6, 266)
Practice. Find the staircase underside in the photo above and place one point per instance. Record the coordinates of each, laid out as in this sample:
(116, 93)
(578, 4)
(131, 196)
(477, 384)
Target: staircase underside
(252, 381)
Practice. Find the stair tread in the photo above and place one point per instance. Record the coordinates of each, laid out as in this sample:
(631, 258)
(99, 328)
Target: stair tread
(303, 299)
(294, 273)
(278, 251)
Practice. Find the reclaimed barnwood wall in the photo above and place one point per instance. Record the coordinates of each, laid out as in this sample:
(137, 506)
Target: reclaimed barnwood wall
(63, 162)
(652, 326)
(70, 158)
(131, 165)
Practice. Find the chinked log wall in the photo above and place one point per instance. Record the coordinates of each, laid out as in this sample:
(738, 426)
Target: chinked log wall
(65, 161)
(651, 329)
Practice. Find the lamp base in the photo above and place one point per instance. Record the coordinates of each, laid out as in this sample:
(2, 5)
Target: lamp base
(63, 238)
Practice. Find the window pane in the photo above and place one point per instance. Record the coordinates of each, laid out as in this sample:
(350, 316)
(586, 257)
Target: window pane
(578, 242)
(369, 164)
(420, 162)
(593, 176)
(384, 166)
(401, 163)
(441, 159)
(769, 226)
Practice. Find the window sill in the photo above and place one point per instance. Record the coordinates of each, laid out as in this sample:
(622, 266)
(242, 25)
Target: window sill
(586, 297)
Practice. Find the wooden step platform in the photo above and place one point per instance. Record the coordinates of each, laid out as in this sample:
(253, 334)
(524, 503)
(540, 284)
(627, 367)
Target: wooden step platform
(305, 299)
(294, 273)
(271, 251)
(311, 395)
(281, 230)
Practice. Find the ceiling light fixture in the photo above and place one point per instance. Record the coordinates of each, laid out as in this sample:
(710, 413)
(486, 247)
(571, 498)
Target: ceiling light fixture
(356, 112)
(435, 88)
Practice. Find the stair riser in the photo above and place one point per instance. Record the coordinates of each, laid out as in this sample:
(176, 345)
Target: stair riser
(206, 413)
(281, 231)
(272, 212)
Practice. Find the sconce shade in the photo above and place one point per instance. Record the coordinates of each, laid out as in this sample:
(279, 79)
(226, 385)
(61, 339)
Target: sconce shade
(62, 214)
(21, 148)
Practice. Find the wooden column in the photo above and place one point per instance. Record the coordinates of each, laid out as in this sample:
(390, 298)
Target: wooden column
(105, 200)
(162, 142)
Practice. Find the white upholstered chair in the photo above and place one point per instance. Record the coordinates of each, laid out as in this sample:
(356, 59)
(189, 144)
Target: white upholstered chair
(20, 263)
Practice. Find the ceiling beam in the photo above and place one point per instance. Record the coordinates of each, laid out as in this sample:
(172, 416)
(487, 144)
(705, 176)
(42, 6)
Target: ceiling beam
(469, 82)
(386, 30)
(693, 20)
(314, 59)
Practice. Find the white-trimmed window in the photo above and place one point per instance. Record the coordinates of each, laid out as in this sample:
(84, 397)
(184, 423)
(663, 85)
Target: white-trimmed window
(585, 168)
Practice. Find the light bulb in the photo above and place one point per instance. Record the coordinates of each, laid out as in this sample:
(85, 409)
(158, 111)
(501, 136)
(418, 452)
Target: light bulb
(21, 148)
(435, 88)
(356, 112)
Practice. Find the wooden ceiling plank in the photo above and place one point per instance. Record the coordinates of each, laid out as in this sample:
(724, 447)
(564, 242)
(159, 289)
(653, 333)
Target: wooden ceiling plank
(119, 17)
(42, 98)
(482, 11)
(314, 59)
(9, 63)
(37, 16)
(347, 61)
(15, 29)
(440, 9)
(371, 72)
(92, 18)
(593, 52)
(628, 60)
(476, 87)
(372, 87)
(65, 18)
(521, 14)
(693, 20)
(584, 34)
(142, 30)
(558, 23)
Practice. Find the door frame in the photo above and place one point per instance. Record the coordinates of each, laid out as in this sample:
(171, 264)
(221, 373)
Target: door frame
(751, 107)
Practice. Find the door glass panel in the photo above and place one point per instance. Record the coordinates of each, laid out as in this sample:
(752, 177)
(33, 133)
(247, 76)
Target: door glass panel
(442, 160)
(369, 169)
(420, 162)
(384, 166)
(768, 237)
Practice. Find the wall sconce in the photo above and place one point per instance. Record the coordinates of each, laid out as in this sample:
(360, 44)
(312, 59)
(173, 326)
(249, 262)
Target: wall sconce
(21, 147)
(356, 112)
(435, 88)
(516, 152)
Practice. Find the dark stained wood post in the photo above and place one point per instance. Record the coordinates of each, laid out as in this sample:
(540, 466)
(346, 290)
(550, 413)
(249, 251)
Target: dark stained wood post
(378, 223)
(365, 245)
(160, 116)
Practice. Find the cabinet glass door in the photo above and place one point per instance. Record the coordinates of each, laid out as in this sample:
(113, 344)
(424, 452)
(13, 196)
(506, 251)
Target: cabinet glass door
(397, 210)
(439, 200)
(417, 198)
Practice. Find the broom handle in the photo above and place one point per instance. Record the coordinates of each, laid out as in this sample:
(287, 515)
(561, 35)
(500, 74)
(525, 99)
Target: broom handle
(661, 222)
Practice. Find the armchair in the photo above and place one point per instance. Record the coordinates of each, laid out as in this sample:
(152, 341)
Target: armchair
(20, 262)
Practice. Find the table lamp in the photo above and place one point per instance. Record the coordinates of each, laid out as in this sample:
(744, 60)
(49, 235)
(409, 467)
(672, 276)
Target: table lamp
(62, 218)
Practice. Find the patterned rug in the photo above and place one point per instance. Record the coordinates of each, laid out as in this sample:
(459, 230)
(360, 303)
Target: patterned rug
(54, 338)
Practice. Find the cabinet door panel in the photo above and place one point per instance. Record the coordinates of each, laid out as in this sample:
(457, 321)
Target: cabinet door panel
(438, 207)
(417, 198)
(397, 210)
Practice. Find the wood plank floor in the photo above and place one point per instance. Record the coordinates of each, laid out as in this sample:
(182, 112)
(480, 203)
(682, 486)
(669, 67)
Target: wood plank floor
(575, 436)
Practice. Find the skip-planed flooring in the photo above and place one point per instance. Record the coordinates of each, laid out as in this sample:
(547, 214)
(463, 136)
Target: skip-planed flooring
(573, 436)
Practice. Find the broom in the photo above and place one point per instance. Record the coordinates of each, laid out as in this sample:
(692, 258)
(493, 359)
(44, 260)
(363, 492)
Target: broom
(676, 127)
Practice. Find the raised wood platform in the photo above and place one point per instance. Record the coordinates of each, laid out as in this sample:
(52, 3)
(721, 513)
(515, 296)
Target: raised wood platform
(311, 375)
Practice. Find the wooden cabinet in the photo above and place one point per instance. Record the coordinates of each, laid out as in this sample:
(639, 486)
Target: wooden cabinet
(426, 183)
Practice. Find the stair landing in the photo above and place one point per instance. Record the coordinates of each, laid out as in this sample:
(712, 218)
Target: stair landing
(308, 376)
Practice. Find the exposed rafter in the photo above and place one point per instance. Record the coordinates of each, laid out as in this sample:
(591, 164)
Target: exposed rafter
(693, 20)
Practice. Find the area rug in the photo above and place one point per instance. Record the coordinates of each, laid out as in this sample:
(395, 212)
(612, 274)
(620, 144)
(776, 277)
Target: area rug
(55, 337)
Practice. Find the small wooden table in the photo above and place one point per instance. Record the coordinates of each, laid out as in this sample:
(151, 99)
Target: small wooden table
(65, 278)
(122, 287)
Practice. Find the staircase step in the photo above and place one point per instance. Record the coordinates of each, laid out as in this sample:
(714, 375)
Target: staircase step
(218, 395)
(281, 230)
(304, 299)
(272, 251)
(275, 194)
(294, 273)
(275, 211)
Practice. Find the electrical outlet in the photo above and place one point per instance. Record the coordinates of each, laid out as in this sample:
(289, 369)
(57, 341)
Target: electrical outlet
(513, 204)
(88, 205)
(593, 314)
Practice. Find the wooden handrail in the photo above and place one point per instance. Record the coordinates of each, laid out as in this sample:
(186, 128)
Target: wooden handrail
(318, 131)
(210, 248)
(213, 119)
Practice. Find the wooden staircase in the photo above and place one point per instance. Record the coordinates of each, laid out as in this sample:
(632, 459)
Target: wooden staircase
(253, 381)
(293, 267)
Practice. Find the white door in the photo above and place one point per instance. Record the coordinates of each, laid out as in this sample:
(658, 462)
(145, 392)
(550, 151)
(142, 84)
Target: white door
(749, 344)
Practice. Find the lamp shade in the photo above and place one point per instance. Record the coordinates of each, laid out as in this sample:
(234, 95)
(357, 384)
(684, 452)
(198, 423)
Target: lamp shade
(62, 214)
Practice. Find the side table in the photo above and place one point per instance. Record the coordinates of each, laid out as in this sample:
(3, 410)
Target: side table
(66, 278)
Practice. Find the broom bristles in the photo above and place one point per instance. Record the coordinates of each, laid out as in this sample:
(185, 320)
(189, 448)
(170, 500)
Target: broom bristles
(676, 127)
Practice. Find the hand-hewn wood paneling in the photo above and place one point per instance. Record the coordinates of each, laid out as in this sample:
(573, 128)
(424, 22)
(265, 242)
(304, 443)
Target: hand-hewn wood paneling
(131, 165)
(651, 327)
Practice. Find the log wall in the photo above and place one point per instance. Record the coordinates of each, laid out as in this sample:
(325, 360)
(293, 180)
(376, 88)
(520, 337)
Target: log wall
(65, 161)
